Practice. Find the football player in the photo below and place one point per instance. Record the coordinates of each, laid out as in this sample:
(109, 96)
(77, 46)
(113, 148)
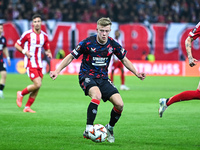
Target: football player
(97, 51)
(186, 95)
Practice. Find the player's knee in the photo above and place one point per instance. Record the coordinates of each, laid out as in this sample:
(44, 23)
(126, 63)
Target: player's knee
(38, 85)
(119, 106)
(97, 96)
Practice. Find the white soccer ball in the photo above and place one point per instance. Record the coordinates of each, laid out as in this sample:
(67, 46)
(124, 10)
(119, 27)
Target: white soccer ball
(97, 133)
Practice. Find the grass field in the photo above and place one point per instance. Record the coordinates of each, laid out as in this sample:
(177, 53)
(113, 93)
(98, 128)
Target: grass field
(61, 116)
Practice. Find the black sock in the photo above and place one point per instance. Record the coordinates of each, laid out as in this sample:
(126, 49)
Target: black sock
(2, 87)
(114, 117)
(91, 113)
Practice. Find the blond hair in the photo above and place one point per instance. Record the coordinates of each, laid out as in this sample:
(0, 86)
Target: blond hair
(104, 21)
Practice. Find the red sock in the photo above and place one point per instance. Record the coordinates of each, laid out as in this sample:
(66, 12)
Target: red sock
(95, 101)
(122, 78)
(184, 96)
(25, 91)
(117, 111)
(30, 102)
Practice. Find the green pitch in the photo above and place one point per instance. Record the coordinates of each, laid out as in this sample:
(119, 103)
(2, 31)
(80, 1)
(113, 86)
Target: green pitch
(61, 116)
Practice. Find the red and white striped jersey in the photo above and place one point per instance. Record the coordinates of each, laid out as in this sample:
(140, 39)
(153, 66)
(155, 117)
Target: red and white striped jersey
(34, 42)
(195, 32)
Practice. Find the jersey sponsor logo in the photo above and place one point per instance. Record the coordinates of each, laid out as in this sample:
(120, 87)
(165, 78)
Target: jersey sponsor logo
(99, 61)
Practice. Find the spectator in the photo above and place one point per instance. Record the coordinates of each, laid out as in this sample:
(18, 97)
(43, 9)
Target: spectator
(138, 10)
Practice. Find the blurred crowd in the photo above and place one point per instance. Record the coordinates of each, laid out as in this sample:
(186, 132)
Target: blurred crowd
(122, 11)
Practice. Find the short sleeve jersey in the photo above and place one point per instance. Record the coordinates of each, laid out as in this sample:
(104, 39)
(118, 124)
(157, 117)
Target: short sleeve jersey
(34, 43)
(195, 32)
(96, 57)
(2, 46)
(120, 42)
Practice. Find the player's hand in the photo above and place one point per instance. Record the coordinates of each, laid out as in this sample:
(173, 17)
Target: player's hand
(49, 55)
(192, 61)
(141, 75)
(53, 75)
(28, 54)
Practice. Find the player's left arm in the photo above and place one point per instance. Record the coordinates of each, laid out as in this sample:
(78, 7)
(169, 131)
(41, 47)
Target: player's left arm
(188, 46)
(5, 50)
(48, 53)
(127, 63)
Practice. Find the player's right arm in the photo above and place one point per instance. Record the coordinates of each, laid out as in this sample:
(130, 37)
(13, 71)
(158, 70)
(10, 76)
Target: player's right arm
(5, 50)
(65, 62)
(188, 46)
(23, 51)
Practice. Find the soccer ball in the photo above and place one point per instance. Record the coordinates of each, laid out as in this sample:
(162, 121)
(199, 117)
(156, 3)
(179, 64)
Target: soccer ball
(97, 133)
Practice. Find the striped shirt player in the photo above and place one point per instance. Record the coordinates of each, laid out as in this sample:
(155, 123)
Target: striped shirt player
(30, 44)
(34, 43)
(93, 76)
(117, 64)
(185, 95)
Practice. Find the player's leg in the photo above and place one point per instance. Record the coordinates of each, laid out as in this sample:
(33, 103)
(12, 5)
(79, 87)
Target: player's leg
(110, 92)
(123, 86)
(2, 82)
(90, 88)
(115, 115)
(118, 104)
(122, 76)
(37, 83)
(183, 96)
(34, 91)
(36, 77)
(30, 101)
(95, 95)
